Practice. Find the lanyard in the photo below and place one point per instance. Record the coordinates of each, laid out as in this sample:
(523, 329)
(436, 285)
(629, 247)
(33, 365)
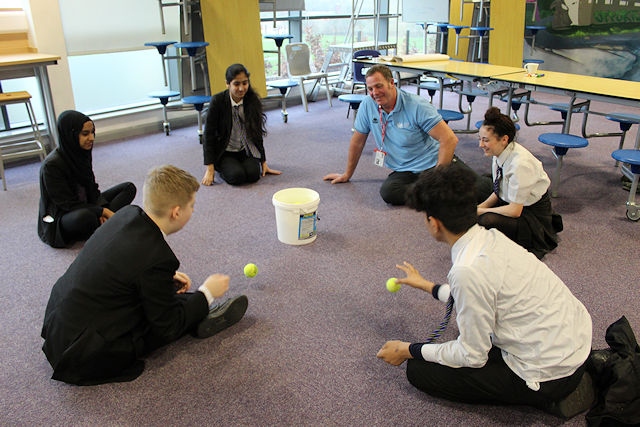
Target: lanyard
(383, 125)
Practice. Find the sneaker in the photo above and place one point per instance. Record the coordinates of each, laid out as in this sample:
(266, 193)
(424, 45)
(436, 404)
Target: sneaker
(222, 316)
(579, 400)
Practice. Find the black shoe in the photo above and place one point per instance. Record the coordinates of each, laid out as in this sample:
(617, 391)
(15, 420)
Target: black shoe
(598, 361)
(579, 400)
(221, 317)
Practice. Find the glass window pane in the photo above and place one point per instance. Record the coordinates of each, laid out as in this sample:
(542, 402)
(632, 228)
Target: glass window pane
(109, 81)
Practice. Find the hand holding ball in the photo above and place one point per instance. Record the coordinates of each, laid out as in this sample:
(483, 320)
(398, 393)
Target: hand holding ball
(250, 270)
(393, 285)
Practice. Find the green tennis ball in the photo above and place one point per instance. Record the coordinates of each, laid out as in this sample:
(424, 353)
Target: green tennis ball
(250, 270)
(393, 285)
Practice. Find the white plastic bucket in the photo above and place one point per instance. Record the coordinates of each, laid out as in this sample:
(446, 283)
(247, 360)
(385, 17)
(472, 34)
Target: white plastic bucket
(296, 215)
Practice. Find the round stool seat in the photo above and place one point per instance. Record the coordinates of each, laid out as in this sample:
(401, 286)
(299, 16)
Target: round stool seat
(449, 115)
(164, 95)
(562, 141)
(623, 118)
(192, 47)
(535, 28)
(458, 28)
(161, 46)
(532, 61)
(430, 86)
(516, 102)
(352, 98)
(628, 156)
(472, 94)
(283, 85)
(481, 30)
(279, 39)
(563, 107)
(197, 101)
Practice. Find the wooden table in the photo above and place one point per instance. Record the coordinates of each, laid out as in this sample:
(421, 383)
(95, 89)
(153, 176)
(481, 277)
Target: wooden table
(26, 64)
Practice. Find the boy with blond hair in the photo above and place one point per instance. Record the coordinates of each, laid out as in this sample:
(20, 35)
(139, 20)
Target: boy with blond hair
(123, 297)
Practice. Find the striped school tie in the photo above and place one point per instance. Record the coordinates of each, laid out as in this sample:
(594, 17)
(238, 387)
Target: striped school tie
(437, 333)
(496, 182)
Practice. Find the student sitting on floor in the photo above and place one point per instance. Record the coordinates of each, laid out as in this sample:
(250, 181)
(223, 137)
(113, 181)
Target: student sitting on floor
(123, 297)
(524, 339)
(520, 205)
(71, 205)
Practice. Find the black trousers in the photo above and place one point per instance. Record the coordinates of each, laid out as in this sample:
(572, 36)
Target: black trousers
(236, 168)
(395, 187)
(494, 383)
(79, 225)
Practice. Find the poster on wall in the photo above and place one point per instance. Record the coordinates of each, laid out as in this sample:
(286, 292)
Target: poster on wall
(585, 37)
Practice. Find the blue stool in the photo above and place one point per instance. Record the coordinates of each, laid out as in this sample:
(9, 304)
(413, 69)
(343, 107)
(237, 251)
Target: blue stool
(625, 121)
(563, 108)
(192, 51)
(279, 39)
(434, 86)
(285, 87)
(431, 87)
(450, 115)
(470, 96)
(354, 100)
(632, 157)
(163, 96)
(162, 49)
(517, 99)
(482, 33)
(198, 102)
(561, 142)
(458, 29)
(533, 29)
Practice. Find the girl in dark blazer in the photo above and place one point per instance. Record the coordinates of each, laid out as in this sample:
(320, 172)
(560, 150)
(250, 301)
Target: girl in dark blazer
(71, 205)
(234, 131)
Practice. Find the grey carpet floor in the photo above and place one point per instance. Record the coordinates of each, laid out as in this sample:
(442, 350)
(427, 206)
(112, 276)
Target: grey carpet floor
(305, 352)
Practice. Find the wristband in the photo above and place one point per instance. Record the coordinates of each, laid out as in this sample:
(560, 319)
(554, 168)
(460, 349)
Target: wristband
(416, 350)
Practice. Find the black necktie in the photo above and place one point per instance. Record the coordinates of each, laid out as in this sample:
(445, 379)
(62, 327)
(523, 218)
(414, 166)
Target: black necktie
(496, 182)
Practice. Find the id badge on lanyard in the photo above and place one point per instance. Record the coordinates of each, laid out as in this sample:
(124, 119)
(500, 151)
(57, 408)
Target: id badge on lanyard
(379, 153)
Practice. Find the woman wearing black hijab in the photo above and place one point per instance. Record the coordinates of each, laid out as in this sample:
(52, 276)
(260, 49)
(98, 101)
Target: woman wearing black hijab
(71, 205)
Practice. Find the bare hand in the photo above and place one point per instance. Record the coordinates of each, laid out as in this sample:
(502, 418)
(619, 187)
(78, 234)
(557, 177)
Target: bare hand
(414, 278)
(394, 352)
(182, 282)
(217, 284)
(335, 178)
(208, 178)
(106, 214)
(266, 170)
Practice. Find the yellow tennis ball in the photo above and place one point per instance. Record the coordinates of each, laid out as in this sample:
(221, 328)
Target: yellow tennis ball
(393, 285)
(250, 270)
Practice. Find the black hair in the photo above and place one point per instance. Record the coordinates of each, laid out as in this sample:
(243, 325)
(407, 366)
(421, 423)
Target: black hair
(447, 193)
(500, 123)
(255, 118)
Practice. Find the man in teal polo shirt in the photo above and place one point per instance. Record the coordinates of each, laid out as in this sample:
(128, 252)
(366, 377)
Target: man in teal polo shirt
(409, 133)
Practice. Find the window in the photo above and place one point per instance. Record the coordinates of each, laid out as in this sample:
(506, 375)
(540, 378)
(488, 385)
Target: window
(110, 67)
(323, 23)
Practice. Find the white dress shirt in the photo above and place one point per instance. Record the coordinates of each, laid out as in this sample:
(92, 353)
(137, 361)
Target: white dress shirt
(505, 296)
(524, 180)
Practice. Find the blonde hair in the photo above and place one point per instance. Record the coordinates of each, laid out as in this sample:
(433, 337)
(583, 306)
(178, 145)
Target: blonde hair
(167, 186)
